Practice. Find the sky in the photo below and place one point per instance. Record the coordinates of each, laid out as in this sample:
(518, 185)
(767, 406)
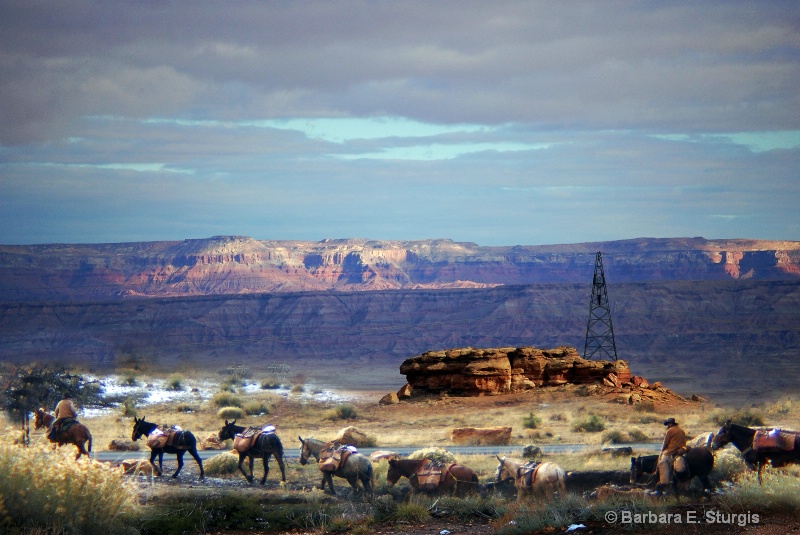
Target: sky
(499, 123)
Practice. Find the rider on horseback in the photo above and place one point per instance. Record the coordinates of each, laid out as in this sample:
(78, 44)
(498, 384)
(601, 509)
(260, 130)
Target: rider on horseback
(65, 410)
(674, 445)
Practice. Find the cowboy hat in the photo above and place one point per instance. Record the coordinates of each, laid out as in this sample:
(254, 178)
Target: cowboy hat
(671, 421)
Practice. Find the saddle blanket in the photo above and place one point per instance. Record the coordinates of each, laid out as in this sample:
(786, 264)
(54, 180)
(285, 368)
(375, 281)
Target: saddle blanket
(334, 455)
(774, 439)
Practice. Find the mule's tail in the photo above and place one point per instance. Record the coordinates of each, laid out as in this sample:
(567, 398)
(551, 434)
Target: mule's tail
(89, 448)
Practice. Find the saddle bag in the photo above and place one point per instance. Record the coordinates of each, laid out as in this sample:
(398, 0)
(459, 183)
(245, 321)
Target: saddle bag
(430, 476)
(680, 465)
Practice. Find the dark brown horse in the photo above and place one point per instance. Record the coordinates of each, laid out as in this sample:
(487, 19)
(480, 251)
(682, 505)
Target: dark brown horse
(454, 478)
(184, 441)
(264, 446)
(699, 461)
(77, 433)
(742, 437)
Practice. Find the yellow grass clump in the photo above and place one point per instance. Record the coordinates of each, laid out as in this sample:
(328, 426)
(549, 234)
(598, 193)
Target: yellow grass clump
(45, 488)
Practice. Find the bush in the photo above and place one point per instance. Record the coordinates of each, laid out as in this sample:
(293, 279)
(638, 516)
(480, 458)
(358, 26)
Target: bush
(531, 421)
(129, 408)
(297, 389)
(637, 435)
(342, 412)
(226, 399)
(614, 436)
(46, 489)
(174, 382)
(221, 465)
(255, 408)
(440, 455)
(744, 417)
(270, 384)
(230, 413)
(589, 424)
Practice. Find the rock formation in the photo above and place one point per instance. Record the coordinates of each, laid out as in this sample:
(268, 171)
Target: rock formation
(473, 372)
(481, 436)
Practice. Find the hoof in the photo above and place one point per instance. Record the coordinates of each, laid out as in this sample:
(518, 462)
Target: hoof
(249, 479)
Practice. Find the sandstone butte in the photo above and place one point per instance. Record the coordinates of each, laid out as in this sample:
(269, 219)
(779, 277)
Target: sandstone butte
(478, 372)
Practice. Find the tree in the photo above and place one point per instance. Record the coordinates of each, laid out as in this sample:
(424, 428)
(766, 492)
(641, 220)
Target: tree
(26, 388)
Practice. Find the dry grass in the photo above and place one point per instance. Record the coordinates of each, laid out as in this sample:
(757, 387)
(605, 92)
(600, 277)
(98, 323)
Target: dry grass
(425, 422)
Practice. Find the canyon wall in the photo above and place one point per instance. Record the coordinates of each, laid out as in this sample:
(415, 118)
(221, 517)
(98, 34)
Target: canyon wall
(226, 265)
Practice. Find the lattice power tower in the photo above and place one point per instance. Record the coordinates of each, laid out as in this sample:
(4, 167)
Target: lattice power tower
(599, 330)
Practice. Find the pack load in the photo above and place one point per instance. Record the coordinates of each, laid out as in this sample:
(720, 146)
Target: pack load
(245, 440)
(431, 474)
(333, 455)
(774, 439)
(526, 474)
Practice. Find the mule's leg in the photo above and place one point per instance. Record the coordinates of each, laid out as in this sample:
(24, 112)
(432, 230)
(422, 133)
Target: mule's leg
(279, 458)
(265, 458)
(366, 480)
(193, 453)
(153, 455)
(760, 466)
(241, 468)
(179, 457)
(328, 477)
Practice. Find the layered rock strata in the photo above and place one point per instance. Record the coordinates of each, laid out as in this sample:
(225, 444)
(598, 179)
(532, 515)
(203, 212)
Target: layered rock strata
(473, 372)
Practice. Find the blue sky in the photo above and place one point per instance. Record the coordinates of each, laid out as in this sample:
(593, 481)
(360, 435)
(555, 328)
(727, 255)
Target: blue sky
(499, 123)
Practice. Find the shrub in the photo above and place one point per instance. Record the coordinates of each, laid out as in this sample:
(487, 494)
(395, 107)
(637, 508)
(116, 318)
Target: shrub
(226, 399)
(255, 408)
(222, 464)
(440, 455)
(645, 406)
(129, 408)
(531, 421)
(129, 378)
(298, 389)
(269, 384)
(637, 435)
(185, 407)
(614, 436)
(589, 424)
(744, 417)
(230, 413)
(46, 489)
(342, 412)
(174, 382)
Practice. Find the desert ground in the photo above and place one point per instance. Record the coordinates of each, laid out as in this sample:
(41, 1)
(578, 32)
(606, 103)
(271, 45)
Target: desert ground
(320, 400)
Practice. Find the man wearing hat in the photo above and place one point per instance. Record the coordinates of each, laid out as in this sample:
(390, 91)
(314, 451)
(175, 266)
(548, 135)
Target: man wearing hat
(674, 444)
(64, 411)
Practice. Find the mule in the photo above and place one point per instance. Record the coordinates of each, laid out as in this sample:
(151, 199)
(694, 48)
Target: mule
(357, 467)
(699, 461)
(183, 441)
(545, 479)
(77, 433)
(456, 478)
(742, 437)
(265, 446)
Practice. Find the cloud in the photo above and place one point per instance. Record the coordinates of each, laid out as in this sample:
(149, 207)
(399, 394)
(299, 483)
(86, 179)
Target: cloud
(502, 122)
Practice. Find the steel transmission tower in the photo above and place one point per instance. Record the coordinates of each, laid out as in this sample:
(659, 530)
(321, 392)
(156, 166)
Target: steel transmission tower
(599, 330)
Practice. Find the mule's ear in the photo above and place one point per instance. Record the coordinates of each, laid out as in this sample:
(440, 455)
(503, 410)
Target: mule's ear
(498, 458)
(301, 439)
(226, 422)
(728, 422)
(233, 422)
